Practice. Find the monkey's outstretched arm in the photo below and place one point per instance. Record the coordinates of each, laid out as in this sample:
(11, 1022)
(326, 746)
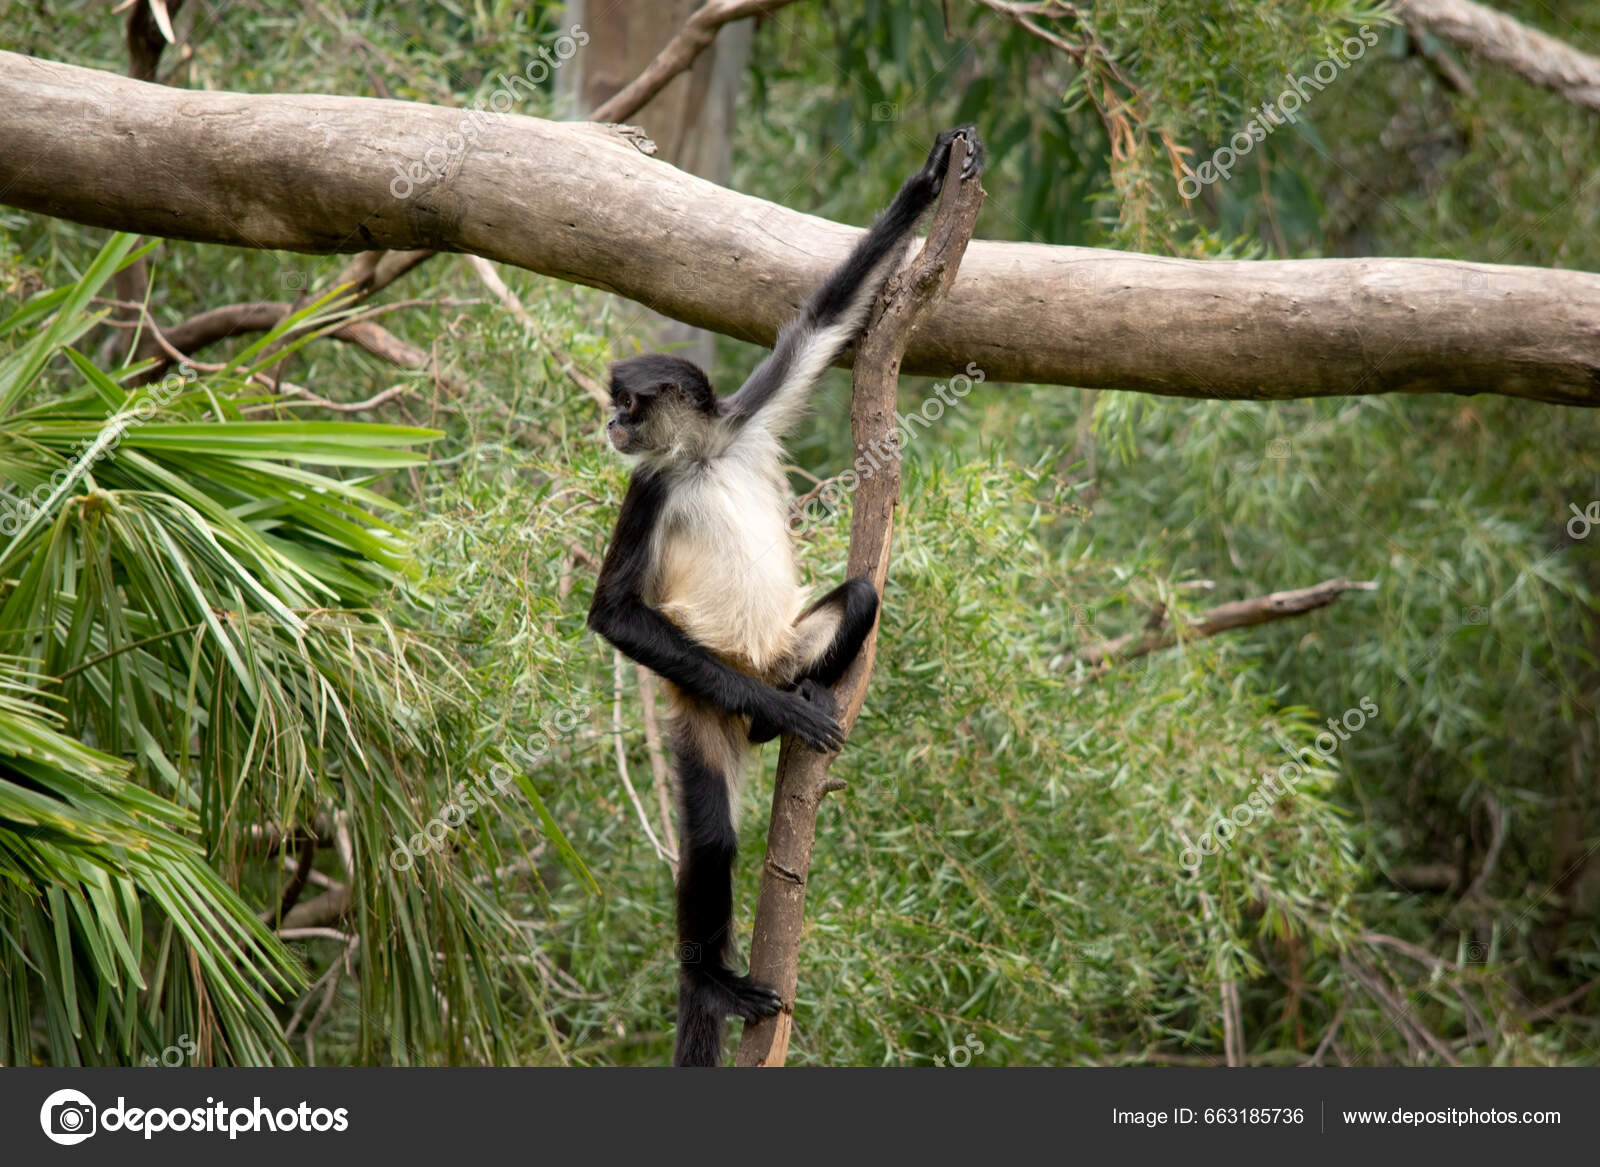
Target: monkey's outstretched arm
(836, 314)
(620, 614)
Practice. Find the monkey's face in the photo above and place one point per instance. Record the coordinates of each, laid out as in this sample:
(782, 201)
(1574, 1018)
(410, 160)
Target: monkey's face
(658, 403)
(631, 424)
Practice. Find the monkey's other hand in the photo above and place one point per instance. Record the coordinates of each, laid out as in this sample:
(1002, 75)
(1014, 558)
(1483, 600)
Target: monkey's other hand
(811, 714)
(762, 731)
(939, 156)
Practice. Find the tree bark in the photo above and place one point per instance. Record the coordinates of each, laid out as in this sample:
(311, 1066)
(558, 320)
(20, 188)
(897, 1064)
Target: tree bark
(802, 781)
(580, 203)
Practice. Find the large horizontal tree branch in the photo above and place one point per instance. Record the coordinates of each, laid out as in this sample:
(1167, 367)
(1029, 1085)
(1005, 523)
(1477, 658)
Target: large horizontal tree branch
(1494, 36)
(580, 203)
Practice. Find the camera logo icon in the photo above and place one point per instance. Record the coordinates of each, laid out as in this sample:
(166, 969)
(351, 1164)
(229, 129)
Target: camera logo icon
(68, 1117)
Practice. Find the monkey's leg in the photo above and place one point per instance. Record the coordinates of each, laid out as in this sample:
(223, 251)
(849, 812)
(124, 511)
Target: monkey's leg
(706, 755)
(828, 636)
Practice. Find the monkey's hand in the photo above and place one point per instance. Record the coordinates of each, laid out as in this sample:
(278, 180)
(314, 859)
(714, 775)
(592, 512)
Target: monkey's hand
(809, 712)
(939, 157)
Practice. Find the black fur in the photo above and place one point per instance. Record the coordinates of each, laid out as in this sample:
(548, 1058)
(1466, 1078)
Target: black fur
(709, 990)
(859, 601)
(655, 372)
(620, 614)
(832, 299)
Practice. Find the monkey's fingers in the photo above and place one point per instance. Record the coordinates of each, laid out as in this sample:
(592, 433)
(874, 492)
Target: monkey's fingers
(975, 156)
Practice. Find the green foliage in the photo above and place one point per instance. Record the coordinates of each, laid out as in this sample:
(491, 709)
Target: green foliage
(106, 897)
(239, 626)
(201, 586)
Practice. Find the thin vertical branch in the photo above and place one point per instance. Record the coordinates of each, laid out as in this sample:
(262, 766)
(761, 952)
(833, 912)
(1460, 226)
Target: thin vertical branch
(802, 779)
(622, 761)
(658, 760)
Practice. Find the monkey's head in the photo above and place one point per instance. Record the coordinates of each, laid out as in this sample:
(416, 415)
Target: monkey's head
(659, 402)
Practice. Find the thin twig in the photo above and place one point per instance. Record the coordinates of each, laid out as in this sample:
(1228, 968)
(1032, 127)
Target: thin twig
(491, 280)
(658, 761)
(1232, 1025)
(1327, 1038)
(622, 759)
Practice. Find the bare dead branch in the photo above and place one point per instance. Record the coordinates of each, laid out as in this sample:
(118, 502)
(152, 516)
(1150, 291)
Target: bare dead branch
(306, 397)
(1023, 16)
(679, 53)
(622, 763)
(1401, 1014)
(365, 276)
(328, 908)
(1222, 618)
(658, 762)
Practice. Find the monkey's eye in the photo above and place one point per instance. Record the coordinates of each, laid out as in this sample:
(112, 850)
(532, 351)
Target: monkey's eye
(625, 402)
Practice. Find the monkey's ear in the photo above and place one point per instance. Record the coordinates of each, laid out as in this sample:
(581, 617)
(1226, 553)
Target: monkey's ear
(698, 395)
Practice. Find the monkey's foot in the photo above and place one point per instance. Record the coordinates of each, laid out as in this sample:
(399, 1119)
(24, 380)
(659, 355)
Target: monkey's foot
(753, 999)
(735, 995)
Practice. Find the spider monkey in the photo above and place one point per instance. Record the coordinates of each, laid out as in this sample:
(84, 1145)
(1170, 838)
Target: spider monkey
(699, 584)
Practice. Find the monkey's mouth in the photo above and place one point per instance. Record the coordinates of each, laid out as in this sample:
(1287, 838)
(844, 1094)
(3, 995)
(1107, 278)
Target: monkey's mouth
(619, 438)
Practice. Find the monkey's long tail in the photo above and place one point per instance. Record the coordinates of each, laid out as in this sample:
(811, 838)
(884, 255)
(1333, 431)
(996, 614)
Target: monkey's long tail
(707, 848)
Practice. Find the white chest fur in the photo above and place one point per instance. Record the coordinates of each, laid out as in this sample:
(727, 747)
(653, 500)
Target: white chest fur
(724, 565)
